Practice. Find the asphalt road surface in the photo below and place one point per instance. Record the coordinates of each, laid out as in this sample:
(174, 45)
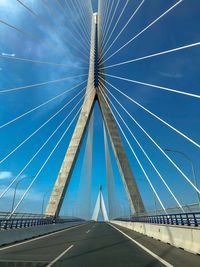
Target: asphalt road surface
(95, 245)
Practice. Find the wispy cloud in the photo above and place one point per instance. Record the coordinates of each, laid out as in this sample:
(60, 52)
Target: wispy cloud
(32, 202)
(6, 175)
(10, 174)
(8, 55)
(32, 196)
(170, 75)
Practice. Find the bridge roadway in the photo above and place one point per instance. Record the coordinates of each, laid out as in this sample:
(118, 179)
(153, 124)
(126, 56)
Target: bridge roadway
(95, 245)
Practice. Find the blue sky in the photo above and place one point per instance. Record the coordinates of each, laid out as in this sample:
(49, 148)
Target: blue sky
(179, 70)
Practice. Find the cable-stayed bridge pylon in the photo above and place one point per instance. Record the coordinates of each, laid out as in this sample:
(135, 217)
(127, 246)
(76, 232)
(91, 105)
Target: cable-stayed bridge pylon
(95, 92)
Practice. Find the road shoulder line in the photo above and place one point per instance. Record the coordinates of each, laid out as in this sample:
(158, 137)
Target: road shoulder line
(165, 263)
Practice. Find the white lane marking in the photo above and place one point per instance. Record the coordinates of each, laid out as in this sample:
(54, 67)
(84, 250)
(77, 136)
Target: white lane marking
(41, 237)
(165, 263)
(87, 231)
(59, 256)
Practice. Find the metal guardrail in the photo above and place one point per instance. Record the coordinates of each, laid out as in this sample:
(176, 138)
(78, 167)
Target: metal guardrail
(190, 208)
(4, 215)
(187, 219)
(24, 220)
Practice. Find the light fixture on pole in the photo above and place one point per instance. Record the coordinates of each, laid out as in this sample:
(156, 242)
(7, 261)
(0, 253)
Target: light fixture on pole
(15, 190)
(192, 167)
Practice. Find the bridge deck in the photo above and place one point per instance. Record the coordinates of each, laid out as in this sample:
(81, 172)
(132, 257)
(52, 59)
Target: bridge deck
(94, 244)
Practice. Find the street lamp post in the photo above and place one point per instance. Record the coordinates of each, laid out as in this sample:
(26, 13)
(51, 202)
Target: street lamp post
(15, 190)
(192, 167)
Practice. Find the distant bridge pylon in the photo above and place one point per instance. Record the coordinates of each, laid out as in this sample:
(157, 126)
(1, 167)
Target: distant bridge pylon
(100, 207)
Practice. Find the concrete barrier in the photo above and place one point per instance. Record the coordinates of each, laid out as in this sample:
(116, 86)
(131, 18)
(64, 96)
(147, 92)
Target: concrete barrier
(187, 238)
(16, 235)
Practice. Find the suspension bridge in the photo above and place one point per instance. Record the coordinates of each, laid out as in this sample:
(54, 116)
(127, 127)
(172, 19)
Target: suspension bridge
(99, 133)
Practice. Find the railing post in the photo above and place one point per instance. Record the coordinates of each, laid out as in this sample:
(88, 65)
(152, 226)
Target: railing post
(182, 221)
(176, 220)
(188, 220)
(6, 224)
(164, 219)
(195, 220)
(11, 222)
(171, 217)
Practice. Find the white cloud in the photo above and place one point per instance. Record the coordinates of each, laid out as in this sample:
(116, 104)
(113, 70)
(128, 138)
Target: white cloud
(32, 195)
(31, 203)
(9, 55)
(4, 2)
(8, 8)
(23, 176)
(5, 175)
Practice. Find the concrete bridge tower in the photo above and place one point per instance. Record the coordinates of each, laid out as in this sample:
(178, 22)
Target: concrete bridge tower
(94, 94)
